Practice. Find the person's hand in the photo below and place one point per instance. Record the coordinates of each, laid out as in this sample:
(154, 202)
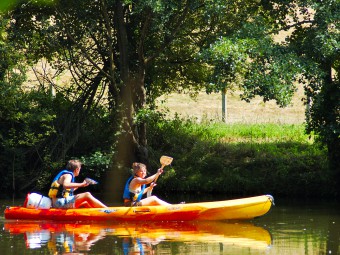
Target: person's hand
(84, 184)
(160, 170)
(152, 185)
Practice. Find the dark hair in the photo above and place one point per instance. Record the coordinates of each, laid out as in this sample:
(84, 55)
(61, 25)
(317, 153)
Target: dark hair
(73, 164)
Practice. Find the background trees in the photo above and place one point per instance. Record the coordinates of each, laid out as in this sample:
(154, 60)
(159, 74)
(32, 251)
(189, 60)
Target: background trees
(121, 55)
(129, 51)
(309, 55)
(315, 38)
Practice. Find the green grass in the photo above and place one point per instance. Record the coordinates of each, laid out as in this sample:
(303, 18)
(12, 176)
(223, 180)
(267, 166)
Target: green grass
(240, 159)
(256, 133)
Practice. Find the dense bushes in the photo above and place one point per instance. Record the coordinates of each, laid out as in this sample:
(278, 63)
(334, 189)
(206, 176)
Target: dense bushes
(35, 143)
(240, 159)
(209, 158)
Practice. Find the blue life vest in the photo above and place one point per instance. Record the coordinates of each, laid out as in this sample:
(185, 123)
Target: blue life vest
(129, 195)
(55, 187)
(127, 247)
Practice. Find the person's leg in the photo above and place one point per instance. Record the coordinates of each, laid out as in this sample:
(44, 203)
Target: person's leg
(153, 200)
(91, 200)
(84, 205)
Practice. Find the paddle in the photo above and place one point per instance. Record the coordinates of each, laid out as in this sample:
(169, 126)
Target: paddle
(90, 181)
(165, 161)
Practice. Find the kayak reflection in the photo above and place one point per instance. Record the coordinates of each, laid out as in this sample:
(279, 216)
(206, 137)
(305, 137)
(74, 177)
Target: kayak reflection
(135, 237)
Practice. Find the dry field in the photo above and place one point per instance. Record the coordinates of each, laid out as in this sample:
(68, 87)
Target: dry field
(209, 107)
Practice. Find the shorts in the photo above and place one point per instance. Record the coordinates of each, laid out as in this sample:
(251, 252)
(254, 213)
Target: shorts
(65, 202)
(129, 203)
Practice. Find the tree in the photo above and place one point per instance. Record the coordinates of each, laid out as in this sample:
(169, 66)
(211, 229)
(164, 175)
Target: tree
(309, 55)
(134, 50)
(31, 121)
(131, 51)
(315, 38)
(24, 119)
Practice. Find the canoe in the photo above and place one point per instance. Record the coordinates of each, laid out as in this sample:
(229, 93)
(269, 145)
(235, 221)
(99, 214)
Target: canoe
(235, 209)
(45, 233)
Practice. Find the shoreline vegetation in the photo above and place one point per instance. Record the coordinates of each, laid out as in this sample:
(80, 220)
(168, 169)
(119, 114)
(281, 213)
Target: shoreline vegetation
(242, 159)
(269, 154)
(97, 102)
(251, 157)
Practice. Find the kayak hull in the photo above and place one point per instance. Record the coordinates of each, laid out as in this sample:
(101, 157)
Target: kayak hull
(235, 209)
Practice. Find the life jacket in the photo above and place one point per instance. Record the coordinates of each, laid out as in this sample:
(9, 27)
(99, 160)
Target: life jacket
(55, 186)
(130, 195)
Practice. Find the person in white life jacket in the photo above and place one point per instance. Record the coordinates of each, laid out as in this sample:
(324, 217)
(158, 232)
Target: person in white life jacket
(135, 187)
(63, 186)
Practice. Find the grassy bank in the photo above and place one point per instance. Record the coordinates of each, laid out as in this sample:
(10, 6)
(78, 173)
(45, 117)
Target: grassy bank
(240, 159)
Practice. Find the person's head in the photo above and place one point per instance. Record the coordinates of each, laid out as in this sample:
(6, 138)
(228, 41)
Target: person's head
(139, 169)
(74, 165)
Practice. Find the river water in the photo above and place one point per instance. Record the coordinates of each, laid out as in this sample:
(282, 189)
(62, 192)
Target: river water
(291, 227)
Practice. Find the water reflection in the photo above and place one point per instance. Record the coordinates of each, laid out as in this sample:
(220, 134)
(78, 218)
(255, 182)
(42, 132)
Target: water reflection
(135, 237)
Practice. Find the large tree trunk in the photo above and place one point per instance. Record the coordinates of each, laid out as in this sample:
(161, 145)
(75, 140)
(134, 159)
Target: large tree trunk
(131, 143)
(334, 159)
(131, 146)
(126, 145)
(331, 110)
(333, 141)
(139, 98)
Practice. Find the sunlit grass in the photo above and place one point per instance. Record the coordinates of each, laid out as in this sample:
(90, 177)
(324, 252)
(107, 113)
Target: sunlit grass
(257, 133)
(241, 159)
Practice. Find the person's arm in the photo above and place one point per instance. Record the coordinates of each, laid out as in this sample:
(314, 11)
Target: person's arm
(148, 179)
(66, 181)
(152, 185)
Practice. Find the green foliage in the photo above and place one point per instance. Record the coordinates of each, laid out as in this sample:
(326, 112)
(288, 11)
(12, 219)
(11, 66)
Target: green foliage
(30, 126)
(6, 5)
(139, 50)
(32, 122)
(230, 62)
(240, 159)
(96, 164)
(250, 60)
(25, 125)
(309, 55)
(318, 45)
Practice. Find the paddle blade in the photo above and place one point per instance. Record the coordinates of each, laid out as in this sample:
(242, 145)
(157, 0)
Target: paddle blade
(165, 160)
(90, 181)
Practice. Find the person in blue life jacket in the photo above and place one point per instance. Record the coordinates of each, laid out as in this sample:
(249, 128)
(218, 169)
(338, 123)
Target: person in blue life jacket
(135, 187)
(63, 186)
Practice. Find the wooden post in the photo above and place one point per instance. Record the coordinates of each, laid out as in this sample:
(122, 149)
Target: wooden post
(52, 91)
(224, 105)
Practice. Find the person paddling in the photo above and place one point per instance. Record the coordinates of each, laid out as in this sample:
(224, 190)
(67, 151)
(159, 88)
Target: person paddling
(135, 187)
(63, 186)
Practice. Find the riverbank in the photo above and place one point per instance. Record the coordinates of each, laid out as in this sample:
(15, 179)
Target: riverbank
(241, 159)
